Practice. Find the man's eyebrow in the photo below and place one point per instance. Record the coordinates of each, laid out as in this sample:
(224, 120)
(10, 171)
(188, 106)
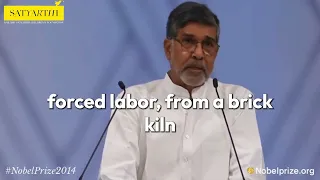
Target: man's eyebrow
(187, 35)
(211, 38)
(184, 34)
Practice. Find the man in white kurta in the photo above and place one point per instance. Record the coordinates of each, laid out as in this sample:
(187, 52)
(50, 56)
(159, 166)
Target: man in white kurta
(200, 148)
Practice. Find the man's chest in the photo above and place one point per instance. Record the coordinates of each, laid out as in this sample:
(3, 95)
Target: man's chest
(199, 138)
(183, 130)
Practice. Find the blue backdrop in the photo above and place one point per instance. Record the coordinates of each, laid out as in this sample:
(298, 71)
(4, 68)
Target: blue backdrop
(267, 46)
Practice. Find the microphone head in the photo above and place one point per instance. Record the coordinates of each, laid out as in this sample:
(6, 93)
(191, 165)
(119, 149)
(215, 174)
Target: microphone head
(121, 85)
(215, 82)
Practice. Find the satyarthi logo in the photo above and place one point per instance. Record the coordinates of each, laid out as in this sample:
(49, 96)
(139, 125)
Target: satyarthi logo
(29, 14)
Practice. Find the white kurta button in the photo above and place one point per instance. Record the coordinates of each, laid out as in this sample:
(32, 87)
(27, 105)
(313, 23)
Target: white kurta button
(187, 136)
(186, 159)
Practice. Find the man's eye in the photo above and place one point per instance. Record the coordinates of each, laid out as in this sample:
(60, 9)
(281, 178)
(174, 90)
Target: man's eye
(209, 43)
(189, 41)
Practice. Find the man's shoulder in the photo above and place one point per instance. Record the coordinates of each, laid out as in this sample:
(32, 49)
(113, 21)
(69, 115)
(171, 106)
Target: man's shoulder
(234, 89)
(144, 89)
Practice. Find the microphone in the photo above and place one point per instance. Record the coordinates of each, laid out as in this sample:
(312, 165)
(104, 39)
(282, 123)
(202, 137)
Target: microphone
(123, 87)
(215, 85)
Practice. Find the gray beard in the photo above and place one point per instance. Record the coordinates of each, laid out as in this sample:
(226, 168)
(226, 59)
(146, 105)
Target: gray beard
(192, 80)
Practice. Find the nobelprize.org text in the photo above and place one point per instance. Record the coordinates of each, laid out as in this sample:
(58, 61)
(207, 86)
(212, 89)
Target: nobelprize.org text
(281, 171)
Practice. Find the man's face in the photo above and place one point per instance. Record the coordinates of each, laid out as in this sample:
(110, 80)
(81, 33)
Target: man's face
(191, 61)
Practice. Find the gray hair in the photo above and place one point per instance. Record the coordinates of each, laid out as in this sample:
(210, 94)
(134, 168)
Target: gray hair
(191, 12)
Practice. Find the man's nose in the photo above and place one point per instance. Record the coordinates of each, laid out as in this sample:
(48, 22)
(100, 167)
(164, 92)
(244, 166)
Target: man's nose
(198, 52)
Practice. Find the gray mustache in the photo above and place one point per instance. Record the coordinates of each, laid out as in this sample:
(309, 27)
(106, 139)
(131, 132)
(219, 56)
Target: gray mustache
(195, 65)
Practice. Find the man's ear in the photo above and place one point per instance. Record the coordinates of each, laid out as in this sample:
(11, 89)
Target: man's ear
(216, 54)
(167, 48)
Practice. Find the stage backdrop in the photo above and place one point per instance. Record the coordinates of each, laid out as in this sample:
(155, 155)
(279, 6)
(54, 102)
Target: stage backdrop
(267, 46)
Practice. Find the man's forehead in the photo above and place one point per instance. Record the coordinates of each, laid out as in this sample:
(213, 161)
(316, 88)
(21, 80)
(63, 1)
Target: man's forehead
(198, 31)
